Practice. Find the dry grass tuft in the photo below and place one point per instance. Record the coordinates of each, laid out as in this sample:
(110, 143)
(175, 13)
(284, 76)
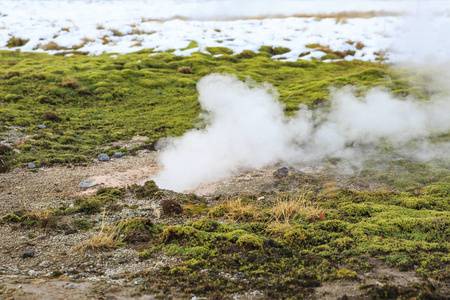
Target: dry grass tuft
(106, 238)
(16, 42)
(185, 70)
(116, 32)
(52, 46)
(238, 210)
(140, 32)
(70, 83)
(359, 45)
(287, 207)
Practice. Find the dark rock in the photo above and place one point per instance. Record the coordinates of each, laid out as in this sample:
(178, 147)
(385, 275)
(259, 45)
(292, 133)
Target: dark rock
(80, 137)
(158, 93)
(415, 267)
(117, 154)
(9, 193)
(103, 157)
(239, 275)
(31, 166)
(28, 253)
(42, 126)
(282, 172)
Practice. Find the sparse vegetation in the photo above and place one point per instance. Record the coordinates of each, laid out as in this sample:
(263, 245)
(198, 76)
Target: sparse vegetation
(16, 42)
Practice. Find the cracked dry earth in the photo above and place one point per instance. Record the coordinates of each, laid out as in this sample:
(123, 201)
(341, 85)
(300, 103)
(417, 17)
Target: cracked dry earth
(115, 274)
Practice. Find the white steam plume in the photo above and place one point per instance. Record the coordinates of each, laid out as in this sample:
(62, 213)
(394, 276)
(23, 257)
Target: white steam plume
(248, 129)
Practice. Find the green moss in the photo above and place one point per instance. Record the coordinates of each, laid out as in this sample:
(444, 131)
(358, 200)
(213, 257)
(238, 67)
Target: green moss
(11, 218)
(83, 224)
(250, 240)
(148, 190)
(207, 225)
(219, 50)
(137, 225)
(345, 273)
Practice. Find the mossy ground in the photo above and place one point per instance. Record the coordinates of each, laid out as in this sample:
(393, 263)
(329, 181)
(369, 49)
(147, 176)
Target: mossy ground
(306, 232)
(87, 102)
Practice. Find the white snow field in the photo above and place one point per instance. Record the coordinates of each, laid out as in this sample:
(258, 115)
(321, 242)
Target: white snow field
(395, 30)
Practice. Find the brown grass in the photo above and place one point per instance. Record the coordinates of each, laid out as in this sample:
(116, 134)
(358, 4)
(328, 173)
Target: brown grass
(328, 50)
(359, 45)
(140, 32)
(288, 206)
(70, 83)
(238, 210)
(51, 116)
(16, 42)
(106, 238)
(185, 70)
(338, 16)
(116, 32)
(52, 46)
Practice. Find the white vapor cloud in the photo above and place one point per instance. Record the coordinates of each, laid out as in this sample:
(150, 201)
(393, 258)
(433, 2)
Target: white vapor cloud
(247, 129)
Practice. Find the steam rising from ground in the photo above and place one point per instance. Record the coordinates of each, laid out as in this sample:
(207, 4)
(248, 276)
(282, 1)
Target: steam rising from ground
(247, 129)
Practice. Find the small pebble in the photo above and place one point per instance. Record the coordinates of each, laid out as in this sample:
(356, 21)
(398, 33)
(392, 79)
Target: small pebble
(28, 253)
(283, 171)
(9, 193)
(80, 137)
(42, 126)
(103, 157)
(118, 154)
(31, 166)
(158, 93)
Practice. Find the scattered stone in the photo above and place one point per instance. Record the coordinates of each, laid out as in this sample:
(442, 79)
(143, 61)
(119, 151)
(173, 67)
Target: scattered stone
(103, 157)
(118, 154)
(73, 286)
(28, 253)
(87, 183)
(158, 93)
(16, 151)
(33, 150)
(415, 267)
(32, 273)
(121, 178)
(80, 137)
(282, 172)
(31, 166)
(239, 275)
(42, 126)
(9, 193)
(261, 198)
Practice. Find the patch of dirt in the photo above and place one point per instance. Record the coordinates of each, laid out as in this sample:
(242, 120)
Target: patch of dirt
(48, 187)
